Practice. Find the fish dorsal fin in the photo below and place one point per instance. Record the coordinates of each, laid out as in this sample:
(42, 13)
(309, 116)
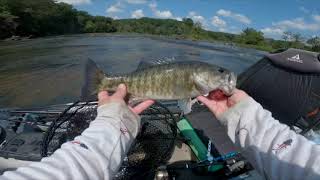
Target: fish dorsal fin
(145, 64)
(165, 60)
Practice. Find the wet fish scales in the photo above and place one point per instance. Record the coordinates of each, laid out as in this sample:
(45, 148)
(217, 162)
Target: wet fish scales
(158, 84)
(173, 81)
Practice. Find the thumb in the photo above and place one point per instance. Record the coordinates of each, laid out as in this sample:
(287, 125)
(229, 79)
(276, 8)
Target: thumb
(204, 100)
(121, 91)
(103, 95)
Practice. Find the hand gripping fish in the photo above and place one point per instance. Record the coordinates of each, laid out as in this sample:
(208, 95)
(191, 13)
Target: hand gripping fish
(171, 81)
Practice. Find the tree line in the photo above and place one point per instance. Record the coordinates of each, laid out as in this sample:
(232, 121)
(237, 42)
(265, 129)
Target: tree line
(31, 18)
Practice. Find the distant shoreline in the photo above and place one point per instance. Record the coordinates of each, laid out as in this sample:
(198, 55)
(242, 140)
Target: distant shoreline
(19, 23)
(171, 37)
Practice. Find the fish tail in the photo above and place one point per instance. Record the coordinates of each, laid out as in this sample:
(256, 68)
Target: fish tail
(92, 80)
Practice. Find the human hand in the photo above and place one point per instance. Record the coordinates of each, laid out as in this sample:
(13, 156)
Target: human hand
(118, 96)
(218, 102)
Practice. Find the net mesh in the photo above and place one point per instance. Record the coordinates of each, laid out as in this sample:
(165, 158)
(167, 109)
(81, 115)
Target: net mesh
(152, 147)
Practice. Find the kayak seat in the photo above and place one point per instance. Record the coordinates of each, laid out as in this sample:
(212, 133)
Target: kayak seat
(286, 83)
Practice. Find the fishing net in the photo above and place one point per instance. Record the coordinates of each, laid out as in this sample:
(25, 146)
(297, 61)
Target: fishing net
(152, 147)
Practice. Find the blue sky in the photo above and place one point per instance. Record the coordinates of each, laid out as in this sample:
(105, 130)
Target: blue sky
(272, 17)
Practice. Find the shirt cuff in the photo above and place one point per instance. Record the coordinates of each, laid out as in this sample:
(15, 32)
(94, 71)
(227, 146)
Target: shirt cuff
(119, 111)
(232, 116)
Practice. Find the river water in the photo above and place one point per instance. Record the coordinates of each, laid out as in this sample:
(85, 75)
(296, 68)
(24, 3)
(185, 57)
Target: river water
(48, 71)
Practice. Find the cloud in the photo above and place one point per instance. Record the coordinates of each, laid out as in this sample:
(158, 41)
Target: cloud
(223, 12)
(298, 24)
(153, 5)
(303, 9)
(75, 2)
(316, 18)
(222, 30)
(178, 18)
(165, 14)
(222, 26)
(272, 32)
(197, 18)
(136, 1)
(115, 17)
(137, 14)
(115, 8)
(218, 22)
(235, 16)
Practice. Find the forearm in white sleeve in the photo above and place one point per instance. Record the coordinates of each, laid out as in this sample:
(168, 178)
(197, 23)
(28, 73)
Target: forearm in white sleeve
(271, 147)
(95, 154)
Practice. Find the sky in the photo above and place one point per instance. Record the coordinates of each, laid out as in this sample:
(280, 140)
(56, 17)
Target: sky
(272, 17)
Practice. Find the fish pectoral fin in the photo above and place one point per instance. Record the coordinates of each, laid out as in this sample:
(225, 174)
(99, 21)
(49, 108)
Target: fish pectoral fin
(186, 105)
(134, 101)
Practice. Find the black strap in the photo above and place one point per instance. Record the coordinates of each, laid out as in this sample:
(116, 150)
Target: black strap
(311, 119)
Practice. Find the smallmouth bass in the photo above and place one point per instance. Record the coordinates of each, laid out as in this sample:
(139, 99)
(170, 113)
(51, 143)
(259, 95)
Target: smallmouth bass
(172, 81)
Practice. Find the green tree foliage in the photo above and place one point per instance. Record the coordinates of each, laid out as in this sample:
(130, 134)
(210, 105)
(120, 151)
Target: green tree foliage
(89, 27)
(297, 37)
(83, 18)
(188, 22)
(287, 36)
(153, 26)
(8, 23)
(4, 7)
(294, 40)
(47, 17)
(169, 27)
(251, 36)
(315, 43)
(99, 24)
(279, 44)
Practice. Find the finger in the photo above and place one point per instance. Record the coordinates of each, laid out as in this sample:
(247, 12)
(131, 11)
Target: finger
(204, 100)
(142, 106)
(121, 91)
(211, 104)
(103, 95)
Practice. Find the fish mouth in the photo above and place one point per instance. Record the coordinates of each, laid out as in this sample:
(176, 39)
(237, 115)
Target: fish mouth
(230, 84)
(227, 91)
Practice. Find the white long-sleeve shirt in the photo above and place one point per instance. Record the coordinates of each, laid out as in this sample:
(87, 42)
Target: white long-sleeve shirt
(95, 154)
(271, 147)
(274, 150)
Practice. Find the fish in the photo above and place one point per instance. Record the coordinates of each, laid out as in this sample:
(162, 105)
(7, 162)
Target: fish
(169, 81)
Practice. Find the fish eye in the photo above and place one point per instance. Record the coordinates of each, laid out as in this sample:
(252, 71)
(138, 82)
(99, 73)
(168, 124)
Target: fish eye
(221, 70)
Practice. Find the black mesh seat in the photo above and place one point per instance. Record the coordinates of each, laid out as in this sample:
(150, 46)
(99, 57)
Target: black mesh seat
(288, 85)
